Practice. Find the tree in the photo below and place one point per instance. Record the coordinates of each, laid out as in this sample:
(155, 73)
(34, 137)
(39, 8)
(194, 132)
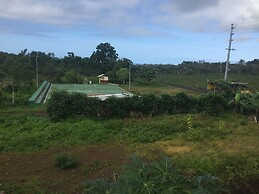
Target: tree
(123, 74)
(122, 63)
(105, 56)
(146, 73)
(71, 77)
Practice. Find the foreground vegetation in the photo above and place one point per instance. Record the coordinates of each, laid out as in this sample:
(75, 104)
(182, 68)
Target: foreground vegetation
(226, 145)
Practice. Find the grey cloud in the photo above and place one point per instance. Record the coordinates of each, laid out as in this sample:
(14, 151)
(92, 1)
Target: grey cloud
(199, 14)
(189, 5)
(65, 11)
(132, 16)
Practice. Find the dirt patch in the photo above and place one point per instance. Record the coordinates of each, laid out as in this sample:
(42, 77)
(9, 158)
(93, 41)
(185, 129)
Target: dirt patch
(38, 169)
(176, 149)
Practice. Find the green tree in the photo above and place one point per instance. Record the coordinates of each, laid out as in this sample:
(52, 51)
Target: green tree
(105, 56)
(123, 74)
(146, 73)
(71, 77)
(122, 63)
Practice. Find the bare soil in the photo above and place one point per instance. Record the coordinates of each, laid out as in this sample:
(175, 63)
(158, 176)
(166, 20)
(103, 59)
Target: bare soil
(38, 169)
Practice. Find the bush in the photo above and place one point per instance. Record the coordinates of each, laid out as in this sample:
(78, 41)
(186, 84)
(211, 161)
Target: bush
(149, 104)
(212, 103)
(65, 161)
(92, 107)
(160, 176)
(183, 103)
(59, 106)
(166, 104)
(116, 107)
(63, 105)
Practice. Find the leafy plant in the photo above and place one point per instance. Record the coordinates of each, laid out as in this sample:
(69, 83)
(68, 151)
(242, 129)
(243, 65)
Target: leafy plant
(212, 103)
(247, 104)
(65, 161)
(160, 176)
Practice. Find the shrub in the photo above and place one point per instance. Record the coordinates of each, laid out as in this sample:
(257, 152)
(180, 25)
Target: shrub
(183, 103)
(160, 176)
(65, 161)
(212, 103)
(93, 107)
(166, 104)
(78, 103)
(63, 105)
(59, 106)
(116, 107)
(150, 102)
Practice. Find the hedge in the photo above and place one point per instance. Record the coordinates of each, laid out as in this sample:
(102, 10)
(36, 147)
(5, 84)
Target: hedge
(63, 105)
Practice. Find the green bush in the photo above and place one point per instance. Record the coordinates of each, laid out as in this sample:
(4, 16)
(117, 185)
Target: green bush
(183, 103)
(59, 106)
(63, 105)
(116, 107)
(212, 103)
(160, 176)
(65, 161)
(150, 102)
(166, 104)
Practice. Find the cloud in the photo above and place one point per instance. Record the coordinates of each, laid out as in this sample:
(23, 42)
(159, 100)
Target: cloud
(66, 12)
(133, 16)
(243, 38)
(200, 14)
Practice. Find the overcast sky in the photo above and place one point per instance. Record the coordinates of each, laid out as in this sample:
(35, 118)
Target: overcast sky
(145, 31)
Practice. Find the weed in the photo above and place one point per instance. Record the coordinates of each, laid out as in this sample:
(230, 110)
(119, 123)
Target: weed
(85, 169)
(65, 161)
(96, 165)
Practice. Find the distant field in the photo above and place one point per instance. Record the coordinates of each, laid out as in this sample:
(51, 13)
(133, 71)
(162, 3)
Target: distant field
(200, 80)
(158, 90)
(194, 84)
(190, 84)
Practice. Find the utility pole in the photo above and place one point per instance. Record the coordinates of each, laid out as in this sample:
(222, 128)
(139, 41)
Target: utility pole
(37, 70)
(129, 75)
(78, 74)
(229, 49)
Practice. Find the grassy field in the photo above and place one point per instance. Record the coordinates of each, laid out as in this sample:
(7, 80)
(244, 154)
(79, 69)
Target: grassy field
(226, 146)
(158, 90)
(200, 80)
(194, 84)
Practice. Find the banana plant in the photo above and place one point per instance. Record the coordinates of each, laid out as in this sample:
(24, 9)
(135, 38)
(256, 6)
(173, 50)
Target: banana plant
(246, 104)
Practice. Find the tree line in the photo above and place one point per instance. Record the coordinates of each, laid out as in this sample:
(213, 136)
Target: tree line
(18, 71)
(20, 68)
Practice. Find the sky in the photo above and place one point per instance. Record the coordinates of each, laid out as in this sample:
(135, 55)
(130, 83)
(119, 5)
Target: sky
(145, 31)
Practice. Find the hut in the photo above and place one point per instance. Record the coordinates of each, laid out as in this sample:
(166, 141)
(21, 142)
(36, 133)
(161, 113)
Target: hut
(103, 79)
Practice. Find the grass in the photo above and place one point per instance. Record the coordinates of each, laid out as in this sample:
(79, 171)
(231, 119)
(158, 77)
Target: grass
(226, 145)
(65, 161)
(200, 80)
(174, 83)
(158, 90)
